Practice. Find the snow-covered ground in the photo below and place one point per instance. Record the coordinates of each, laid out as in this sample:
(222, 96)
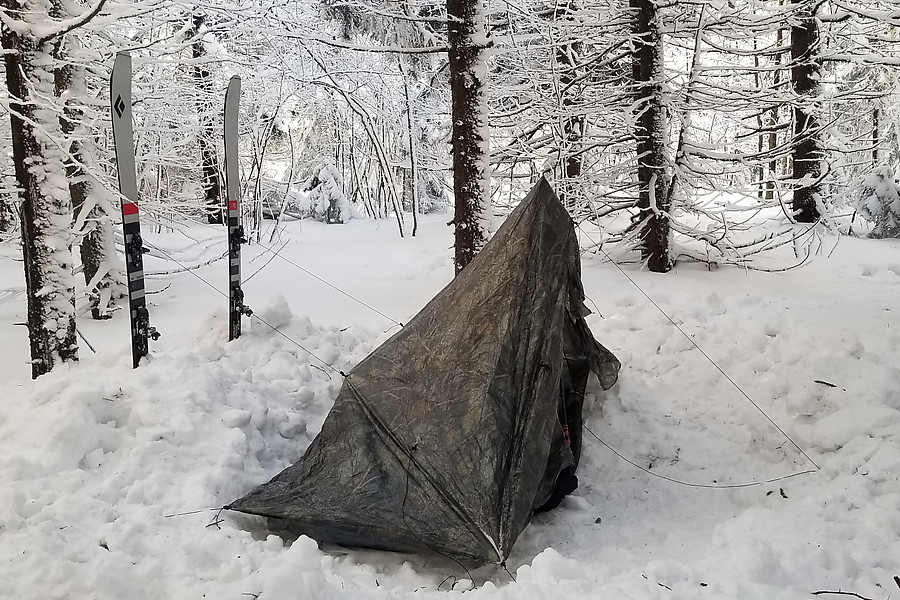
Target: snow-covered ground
(109, 476)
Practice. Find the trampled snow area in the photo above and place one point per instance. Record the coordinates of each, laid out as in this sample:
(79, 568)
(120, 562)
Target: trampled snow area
(98, 462)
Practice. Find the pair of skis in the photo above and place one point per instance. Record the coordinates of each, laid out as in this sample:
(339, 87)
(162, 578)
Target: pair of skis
(123, 138)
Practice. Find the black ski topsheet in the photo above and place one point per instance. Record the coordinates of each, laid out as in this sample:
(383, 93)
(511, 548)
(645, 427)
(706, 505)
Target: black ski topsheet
(236, 306)
(120, 101)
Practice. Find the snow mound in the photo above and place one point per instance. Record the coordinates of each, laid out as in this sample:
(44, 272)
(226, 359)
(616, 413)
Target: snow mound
(100, 461)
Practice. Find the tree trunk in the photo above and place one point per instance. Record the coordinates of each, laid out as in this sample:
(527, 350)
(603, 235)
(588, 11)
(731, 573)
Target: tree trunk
(413, 151)
(103, 280)
(650, 132)
(876, 135)
(573, 124)
(213, 200)
(46, 207)
(466, 39)
(773, 121)
(809, 153)
(759, 170)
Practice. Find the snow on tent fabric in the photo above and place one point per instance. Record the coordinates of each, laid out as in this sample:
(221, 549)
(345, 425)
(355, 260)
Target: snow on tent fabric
(450, 435)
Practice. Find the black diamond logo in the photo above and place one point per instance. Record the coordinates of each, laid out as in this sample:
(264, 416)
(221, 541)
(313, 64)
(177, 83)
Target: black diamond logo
(119, 105)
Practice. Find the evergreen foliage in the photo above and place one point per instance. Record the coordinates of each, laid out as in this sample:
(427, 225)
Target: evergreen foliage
(880, 203)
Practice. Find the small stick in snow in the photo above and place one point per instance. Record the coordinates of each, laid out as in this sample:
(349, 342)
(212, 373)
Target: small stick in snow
(840, 593)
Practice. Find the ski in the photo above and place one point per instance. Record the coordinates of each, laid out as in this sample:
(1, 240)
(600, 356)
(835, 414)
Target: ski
(123, 139)
(236, 306)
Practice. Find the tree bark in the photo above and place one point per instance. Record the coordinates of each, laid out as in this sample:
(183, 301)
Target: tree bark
(809, 151)
(573, 123)
(876, 135)
(46, 207)
(651, 132)
(213, 200)
(8, 218)
(466, 40)
(773, 121)
(411, 126)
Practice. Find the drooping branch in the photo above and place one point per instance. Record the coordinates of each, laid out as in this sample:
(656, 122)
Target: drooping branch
(66, 25)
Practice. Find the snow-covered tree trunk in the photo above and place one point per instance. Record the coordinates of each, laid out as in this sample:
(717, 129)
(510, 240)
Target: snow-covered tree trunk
(40, 174)
(651, 133)
(103, 278)
(809, 151)
(467, 43)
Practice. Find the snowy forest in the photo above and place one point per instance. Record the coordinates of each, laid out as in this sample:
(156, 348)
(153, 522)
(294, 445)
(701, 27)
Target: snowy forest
(696, 200)
(709, 131)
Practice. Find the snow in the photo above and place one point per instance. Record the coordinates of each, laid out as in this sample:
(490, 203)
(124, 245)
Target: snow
(110, 477)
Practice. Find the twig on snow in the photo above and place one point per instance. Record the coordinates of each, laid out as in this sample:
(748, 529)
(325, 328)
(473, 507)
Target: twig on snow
(840, 593)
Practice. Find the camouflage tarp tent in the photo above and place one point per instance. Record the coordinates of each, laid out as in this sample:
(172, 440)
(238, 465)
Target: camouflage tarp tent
(451, 434)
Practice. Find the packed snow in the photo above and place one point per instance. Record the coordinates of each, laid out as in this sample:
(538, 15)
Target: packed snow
(111, 477)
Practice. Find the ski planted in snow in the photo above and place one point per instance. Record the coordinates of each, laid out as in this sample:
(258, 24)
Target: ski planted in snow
(236, 306)
(120, 100)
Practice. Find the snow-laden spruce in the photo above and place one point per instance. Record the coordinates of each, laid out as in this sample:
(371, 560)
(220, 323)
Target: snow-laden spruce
(880, 203)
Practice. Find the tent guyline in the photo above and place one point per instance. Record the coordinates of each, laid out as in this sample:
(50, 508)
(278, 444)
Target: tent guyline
(265, 264)
(707, 356)
(331, 285)
(255, 315)
(715, 486)
(277, 254)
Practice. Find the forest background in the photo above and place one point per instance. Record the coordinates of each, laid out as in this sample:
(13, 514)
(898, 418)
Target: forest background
(710, 131)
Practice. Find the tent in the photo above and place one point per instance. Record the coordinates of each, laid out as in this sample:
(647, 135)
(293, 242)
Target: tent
(451, 434)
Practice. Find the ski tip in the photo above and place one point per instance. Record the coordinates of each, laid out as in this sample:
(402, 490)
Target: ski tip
(122, 58)
(121, 71)
(234, 86)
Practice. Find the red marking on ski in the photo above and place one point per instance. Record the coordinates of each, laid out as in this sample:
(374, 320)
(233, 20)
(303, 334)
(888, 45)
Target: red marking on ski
(130, 208)
(232, 205)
